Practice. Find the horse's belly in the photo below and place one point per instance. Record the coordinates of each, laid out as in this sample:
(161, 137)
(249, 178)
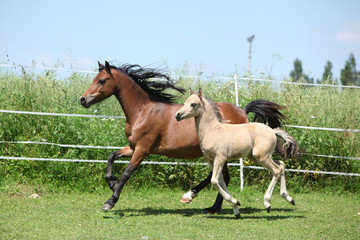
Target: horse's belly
(181, 152)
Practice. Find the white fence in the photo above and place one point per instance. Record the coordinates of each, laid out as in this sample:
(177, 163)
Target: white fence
(240, 164)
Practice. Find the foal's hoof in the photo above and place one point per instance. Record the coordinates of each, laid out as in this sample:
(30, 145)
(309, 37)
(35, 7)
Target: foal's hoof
(268, 209)
(107, 207)
(292, 202)
(237, 216)
(211, 210)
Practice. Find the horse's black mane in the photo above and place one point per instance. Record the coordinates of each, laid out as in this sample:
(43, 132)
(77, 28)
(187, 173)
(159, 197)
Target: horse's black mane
(155, 89)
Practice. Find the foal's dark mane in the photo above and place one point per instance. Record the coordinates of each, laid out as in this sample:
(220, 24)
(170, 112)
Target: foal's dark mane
(155, 89)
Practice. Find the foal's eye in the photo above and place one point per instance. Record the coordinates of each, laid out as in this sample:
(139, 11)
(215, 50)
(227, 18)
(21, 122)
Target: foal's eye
(102, 81)
(193, 105)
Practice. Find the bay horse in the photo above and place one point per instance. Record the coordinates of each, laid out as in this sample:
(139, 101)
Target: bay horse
(150, 127)
(221, 142)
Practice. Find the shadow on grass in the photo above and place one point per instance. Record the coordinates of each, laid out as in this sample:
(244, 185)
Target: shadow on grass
(246, 213)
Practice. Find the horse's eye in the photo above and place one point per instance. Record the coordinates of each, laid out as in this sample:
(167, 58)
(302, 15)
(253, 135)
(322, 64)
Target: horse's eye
(102, 81)
(193, 104)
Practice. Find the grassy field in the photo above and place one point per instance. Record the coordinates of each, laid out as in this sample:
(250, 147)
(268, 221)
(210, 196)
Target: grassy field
(156, 213)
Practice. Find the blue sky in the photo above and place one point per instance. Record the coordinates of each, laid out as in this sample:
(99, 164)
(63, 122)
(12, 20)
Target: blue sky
(210, 34)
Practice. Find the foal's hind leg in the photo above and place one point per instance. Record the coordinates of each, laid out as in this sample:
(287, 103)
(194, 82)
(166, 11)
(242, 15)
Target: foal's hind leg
(110, 178)
(276, 171)
(283, 191)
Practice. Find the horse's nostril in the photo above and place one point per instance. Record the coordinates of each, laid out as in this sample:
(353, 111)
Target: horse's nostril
(82, 99)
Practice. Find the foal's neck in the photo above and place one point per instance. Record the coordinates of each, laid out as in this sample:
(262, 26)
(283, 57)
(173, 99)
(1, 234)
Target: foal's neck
(206, 119)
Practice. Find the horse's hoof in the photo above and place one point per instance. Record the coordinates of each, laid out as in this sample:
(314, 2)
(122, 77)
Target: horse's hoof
(237, 216)
(185, 200)
(268, 209)
(211, 210)
(292, 202)
(106, 207)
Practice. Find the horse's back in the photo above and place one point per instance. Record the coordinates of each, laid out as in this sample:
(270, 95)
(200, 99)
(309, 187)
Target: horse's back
(231, 113)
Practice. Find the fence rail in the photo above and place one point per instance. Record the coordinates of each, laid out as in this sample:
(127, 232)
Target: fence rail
(105, 116)
(173, 163)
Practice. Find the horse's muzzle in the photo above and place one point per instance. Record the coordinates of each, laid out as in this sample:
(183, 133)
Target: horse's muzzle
(84, 102)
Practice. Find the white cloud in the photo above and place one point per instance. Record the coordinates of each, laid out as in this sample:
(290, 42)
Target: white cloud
(350, 33)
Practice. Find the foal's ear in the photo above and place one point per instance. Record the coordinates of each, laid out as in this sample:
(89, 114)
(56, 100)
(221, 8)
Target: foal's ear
(191, 91)
(200, 93)
(107, 67)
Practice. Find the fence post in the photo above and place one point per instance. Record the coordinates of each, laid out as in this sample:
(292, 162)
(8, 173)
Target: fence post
(241, 160)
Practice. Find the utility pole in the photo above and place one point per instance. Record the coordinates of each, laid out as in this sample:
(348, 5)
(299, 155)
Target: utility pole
(250, 39)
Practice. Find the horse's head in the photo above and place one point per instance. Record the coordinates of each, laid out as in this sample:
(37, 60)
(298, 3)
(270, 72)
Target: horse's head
(103, 86)
(192, 106)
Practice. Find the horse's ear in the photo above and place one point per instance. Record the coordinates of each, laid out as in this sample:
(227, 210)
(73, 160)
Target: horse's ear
(191, 91)
(100, 66)
(200, 93)
(107, 67)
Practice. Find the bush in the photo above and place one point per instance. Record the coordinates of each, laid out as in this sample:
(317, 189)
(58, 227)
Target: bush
(44, 92)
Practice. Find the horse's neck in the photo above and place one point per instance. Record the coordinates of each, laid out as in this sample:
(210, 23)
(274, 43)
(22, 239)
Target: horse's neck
(132, 98)
(207, 119)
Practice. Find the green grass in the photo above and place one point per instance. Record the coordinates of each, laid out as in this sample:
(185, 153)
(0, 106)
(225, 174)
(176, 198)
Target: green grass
(156, 213)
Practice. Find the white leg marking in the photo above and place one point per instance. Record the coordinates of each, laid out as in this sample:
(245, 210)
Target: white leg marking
(188, 197)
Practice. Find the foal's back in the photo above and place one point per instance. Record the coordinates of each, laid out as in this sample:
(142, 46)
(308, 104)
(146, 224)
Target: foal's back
(241, 140)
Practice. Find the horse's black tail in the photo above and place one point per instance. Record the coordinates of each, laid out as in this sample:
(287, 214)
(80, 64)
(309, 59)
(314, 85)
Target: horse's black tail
(266, 112)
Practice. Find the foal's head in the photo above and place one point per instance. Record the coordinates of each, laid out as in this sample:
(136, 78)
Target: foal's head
(192, 106)
(103, 86)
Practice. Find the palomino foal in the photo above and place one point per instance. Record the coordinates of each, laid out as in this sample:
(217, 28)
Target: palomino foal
(220, 142)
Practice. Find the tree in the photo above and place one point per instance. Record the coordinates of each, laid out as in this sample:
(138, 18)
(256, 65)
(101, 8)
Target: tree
(327, 76)
(349, 75)
(297, 74)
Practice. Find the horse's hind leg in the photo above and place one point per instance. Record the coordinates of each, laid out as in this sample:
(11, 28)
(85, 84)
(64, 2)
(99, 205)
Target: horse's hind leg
(190, 195)
(283, 191)
(110, 178)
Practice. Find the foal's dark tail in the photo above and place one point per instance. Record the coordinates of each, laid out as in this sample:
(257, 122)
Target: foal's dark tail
(286, 144)
(266, 112)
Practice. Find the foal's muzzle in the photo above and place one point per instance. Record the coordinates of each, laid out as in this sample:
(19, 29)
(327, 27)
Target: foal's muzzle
(178, 117)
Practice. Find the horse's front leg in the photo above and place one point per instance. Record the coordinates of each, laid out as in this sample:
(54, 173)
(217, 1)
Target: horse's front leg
(137, 157)
(110, 178)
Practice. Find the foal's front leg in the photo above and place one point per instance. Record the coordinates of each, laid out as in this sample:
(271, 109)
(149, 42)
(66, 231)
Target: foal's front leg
(110, 178)
(218, 182)
(216, 207)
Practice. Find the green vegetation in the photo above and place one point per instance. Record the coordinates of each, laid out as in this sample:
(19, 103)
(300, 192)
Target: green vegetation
(156, 213)
(44, 92)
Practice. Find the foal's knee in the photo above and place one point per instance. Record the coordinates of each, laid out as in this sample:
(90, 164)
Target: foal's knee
(215, 183)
